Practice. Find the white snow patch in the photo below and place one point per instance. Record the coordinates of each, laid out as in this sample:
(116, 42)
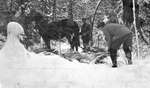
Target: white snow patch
(22, 69)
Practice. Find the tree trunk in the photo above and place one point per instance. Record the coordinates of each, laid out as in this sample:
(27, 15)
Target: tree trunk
(92, 42)
(96, 12)
(127, 12)
(134, 24)
(128, 16)
(70, 10)
(4, 16)
(54, 10)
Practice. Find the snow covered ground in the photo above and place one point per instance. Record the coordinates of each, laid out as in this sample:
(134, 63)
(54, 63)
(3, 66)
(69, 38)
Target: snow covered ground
(22, 69)
(56, 72)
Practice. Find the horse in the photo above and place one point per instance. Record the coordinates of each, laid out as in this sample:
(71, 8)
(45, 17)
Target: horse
(56, 30)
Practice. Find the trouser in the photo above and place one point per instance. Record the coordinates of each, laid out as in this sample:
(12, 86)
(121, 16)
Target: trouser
(127, 47)
(86, 40)
(75, 42)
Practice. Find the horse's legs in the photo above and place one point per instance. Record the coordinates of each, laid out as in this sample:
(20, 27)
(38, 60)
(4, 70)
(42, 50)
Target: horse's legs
(76, 46)
(76, 42)
(47, 43)
(70, 41)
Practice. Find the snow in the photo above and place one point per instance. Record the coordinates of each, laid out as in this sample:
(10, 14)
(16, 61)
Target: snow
(22, 69)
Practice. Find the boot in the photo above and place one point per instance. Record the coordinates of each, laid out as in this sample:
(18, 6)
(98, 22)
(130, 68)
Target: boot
(129, 60)
(114, 62)
(129, 57)
(113, 55)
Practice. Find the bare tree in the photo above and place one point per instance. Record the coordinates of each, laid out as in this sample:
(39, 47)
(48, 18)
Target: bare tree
(54, 10)
(128, 16)
(4, 16)
(70, 10)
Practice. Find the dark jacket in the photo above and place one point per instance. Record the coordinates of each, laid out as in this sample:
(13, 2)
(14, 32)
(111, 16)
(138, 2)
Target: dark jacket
(114, 31)
(86, 29)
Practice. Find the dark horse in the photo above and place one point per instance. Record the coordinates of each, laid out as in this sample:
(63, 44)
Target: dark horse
(56, 30)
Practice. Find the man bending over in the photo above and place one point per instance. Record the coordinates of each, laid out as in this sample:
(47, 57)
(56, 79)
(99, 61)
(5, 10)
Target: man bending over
(115, 35)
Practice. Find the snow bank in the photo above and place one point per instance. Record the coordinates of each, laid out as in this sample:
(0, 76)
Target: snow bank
(22, 69)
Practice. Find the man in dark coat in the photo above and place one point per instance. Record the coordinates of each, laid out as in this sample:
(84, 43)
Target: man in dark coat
(86, 33)
(115, 35)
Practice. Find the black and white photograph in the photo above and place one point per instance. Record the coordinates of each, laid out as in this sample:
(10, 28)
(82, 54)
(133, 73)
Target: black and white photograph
(74, 43)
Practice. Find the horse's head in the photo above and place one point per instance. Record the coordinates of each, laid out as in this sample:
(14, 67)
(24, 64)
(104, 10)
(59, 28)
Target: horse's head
(35, 15)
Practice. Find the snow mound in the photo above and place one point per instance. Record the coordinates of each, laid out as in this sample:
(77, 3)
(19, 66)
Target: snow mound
(22, 69)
